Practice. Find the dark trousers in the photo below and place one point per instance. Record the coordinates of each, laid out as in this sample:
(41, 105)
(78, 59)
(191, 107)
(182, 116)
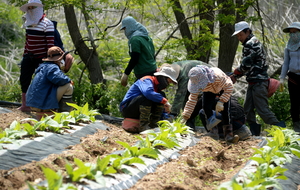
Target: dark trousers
(132, 109)
(28, 66)
(293, 86)
(209, 103)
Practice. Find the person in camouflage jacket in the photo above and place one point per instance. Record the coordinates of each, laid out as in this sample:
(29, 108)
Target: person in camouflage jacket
(182, 69)
(255, 67)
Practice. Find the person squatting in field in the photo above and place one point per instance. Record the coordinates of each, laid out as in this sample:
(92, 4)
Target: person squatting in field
(51, 88)
(145, 101)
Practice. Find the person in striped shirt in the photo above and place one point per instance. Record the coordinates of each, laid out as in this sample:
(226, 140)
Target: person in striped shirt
(213, 83)
(39, 38)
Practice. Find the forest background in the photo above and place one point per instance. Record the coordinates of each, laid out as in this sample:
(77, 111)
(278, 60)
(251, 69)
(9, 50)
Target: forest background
(181, 30)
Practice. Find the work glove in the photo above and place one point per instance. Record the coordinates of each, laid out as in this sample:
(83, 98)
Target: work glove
(183, 121)
(219, 107)
(124, 79)
(281, 85)
(168, 107)
(72, 82)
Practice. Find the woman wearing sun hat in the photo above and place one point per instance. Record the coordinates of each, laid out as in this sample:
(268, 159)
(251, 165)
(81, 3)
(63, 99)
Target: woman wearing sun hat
(213, 82)
(144, 102)
(291, 68)
(50, 87)
(39, 38)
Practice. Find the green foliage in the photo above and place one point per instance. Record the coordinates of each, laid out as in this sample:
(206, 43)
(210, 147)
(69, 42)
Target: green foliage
(280, 105)
(55, 181)
(116, 93)
(10, 91)
(168, 136)
(83, 170)
(13, 132)
(10, 24)
(278, 151)
(103, 165)
(83, 114)
(117, 162)
(137, 151)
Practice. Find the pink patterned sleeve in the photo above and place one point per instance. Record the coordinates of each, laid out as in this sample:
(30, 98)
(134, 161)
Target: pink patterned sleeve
(190, 105)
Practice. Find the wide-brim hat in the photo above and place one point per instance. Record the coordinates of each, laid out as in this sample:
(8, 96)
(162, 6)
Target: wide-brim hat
(167, 72)
(199, 77)
(35, 3)
(240, 26)
(293, 25)
(54, 54)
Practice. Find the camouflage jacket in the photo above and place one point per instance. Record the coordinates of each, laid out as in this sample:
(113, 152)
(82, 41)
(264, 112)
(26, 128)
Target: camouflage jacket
(253, 63)
(181, 95)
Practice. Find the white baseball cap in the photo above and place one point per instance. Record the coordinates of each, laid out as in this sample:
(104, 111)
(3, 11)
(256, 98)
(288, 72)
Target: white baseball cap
(238, 27)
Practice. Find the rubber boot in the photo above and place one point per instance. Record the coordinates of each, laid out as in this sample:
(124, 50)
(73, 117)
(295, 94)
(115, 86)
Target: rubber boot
(156, 115)
(63, 107)
(243, 132)
(281, 124)
(145, 112)
(255, 129)
(296, 126)
(213, 133)
(228, 134)
(23, 107)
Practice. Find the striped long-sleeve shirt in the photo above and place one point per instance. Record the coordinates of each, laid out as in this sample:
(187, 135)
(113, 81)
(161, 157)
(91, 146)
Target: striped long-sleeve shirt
(39, 38)
(222, 82)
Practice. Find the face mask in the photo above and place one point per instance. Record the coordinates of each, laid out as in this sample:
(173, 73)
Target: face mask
(295, 37)
(163, 83)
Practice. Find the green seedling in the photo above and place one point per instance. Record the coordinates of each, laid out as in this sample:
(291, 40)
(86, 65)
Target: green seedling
(31, 130)
(117, 161)
(137, 151)
(55, 181)
(103, 165)
(83, 170)
(83, 114)
(13, 132)
(63, 118)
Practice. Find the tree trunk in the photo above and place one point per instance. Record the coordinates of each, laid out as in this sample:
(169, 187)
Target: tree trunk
(228, 43)
(87, 55)
(183, 27)
(207, 13)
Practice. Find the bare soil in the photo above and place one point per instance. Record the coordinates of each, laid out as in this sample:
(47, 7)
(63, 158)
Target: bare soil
(204, 166)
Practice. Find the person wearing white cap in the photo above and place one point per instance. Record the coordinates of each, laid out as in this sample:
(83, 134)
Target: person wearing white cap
(144, 102)
(291, 68)
(141, 50)
(214, 83)
(255, 67)
(39, 38)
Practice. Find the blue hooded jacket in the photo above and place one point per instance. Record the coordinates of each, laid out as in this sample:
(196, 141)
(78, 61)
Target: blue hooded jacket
(43, 88)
